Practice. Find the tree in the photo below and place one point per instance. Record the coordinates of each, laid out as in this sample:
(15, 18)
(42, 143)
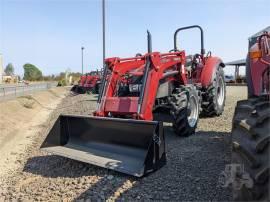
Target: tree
(31, 72)
(9, 69)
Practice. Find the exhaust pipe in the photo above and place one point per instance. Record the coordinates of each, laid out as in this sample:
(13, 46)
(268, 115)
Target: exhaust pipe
(133, 147)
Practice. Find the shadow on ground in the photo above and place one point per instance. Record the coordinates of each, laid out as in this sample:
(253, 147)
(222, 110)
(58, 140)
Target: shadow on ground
(192, 172)
(53, 166)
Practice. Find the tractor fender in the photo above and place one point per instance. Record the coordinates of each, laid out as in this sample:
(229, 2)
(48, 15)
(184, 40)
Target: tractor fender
(209, 70)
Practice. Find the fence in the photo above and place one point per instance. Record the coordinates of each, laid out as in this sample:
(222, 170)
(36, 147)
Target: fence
(9, 92)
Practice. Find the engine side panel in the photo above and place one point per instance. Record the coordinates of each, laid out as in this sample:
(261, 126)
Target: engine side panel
(164, 89)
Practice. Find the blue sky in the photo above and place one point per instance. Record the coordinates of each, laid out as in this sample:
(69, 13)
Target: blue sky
(50, 33)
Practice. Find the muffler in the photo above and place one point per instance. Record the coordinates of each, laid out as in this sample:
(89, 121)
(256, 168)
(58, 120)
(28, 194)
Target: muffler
(134, 147)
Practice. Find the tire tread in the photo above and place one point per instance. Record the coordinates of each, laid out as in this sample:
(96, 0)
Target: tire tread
(250, 144)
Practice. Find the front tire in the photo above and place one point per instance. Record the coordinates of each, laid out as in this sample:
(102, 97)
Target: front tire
(96, 88)
(186, 115)
(251, 149)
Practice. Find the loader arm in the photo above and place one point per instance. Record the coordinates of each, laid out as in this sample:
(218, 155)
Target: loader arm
(160, 65)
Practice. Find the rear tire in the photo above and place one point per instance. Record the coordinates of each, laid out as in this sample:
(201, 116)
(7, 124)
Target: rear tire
(74, 88)
(187, 113)
(250, 147)
(81, 90)
(96, 89)
(215, 95)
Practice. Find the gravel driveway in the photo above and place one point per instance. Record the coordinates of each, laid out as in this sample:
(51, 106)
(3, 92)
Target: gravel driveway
(192, 172)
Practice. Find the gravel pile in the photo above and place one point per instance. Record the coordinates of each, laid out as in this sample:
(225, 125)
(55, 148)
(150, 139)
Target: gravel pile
(192, 172)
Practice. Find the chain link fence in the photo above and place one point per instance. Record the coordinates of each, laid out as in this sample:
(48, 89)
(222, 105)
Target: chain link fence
(9, 92)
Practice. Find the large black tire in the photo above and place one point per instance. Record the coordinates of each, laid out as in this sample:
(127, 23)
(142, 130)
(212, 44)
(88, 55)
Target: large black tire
(213, 98)
(96, 88)
(186, 115)
(74, 88)
(81, 90)
(250, 147)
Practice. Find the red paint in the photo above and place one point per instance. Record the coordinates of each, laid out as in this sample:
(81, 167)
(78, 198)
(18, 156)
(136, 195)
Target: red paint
(91, 81)
(161, 63)
(82, 80)
(208, 70)
(122, 104)
(258, 65)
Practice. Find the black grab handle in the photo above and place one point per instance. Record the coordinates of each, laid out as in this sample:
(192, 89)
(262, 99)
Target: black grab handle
(190, 27)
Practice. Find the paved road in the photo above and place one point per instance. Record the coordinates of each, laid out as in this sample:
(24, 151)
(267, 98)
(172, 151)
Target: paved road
(12, 91)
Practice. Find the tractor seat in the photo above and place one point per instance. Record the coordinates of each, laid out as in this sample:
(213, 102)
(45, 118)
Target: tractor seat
(189, 60)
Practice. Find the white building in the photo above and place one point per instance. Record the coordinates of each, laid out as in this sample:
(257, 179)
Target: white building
(1, 68)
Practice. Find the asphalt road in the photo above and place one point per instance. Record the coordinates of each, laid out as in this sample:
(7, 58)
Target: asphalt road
(8, 91)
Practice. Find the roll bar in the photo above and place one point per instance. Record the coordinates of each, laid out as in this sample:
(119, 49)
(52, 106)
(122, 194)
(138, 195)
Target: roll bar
(190, 27)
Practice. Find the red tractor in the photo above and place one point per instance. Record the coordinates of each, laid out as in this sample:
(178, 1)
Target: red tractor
(251, 125)
(136, 95)
(89, 83)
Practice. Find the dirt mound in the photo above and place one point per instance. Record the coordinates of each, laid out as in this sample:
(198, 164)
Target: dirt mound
(19, 118)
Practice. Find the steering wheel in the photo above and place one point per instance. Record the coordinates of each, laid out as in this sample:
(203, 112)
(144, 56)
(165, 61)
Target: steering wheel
(194, 60)
(173, 50)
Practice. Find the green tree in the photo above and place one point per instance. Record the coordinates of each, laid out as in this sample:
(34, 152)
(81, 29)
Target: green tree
(9, 70)
(31, 72)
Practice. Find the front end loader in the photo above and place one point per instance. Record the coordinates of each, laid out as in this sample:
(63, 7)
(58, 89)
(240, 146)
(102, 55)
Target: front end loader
(136, 95)
(89, 83)
(79, 87)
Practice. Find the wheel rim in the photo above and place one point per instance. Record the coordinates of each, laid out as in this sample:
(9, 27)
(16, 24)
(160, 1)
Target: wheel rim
(193, 111)
(220, 91)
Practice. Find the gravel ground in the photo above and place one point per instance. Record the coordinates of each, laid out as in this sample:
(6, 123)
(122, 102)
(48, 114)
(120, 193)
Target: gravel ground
(193, 167)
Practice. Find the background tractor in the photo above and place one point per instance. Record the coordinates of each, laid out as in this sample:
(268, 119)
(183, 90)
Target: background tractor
(251, 123)
(88, 83)
(136, 95)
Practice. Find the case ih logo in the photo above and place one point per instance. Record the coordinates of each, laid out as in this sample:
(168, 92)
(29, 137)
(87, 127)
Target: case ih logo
(235, 175)
(165, 60)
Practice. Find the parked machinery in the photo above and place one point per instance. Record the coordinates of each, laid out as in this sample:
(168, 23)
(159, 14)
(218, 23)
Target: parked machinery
(93, 81)
(251, 124)
(89, 83)
(126, 132)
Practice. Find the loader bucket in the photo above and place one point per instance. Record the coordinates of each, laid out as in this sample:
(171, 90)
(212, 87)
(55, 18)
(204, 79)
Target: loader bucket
(78, 89)
(74, 88)
(133, 147)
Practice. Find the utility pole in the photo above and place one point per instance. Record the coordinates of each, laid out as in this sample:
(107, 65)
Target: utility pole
(103, 31)
(82, 58)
